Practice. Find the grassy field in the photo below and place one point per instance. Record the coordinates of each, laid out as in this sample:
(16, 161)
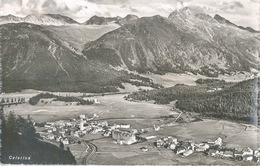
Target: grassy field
(234, 135)
(111, 106)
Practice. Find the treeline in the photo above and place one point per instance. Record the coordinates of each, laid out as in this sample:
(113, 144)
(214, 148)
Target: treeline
(238, 102)
(34, 100)
(166, 95)
(211, 82)
(19, 139)
(56, 86)
(95, 83)
(133, 79)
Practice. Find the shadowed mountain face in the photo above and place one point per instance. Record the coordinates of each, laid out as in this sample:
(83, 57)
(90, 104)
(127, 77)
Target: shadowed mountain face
(42, 19)
(96, 20)
(186, 41)
(33, 58)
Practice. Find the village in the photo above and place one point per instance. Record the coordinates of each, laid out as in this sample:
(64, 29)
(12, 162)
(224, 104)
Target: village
(66, 132)
(210, 148)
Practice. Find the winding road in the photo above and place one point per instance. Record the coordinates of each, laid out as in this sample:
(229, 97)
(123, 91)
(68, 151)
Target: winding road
(91, 151)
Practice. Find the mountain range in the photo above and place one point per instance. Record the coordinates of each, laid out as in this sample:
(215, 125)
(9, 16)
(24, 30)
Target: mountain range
(80, 58)
(58, 20)
(41, 19)
(187, 40)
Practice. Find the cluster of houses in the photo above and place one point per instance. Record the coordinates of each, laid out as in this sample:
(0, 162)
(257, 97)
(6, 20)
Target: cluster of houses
(123, 134)
(66, 131)
(240, 155)
(210, 148)
(12, 100)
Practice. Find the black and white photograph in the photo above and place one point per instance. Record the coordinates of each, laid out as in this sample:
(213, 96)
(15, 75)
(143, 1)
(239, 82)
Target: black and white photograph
(130, 82)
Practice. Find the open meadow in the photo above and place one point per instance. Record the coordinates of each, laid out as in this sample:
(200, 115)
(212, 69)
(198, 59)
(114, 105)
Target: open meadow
(111, 106)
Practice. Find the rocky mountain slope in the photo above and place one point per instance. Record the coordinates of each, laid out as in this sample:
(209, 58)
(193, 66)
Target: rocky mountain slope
(33, 58)
(188, 41)
(41, 19)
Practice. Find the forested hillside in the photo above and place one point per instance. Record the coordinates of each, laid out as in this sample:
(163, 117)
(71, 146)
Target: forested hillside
(229, 100)
(19, 139)
(35, 99)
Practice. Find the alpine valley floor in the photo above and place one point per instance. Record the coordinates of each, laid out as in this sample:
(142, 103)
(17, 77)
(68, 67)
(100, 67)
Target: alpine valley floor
(142, 115)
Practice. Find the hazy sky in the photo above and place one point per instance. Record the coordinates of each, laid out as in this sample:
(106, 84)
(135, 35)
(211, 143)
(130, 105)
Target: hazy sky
(241, 12)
